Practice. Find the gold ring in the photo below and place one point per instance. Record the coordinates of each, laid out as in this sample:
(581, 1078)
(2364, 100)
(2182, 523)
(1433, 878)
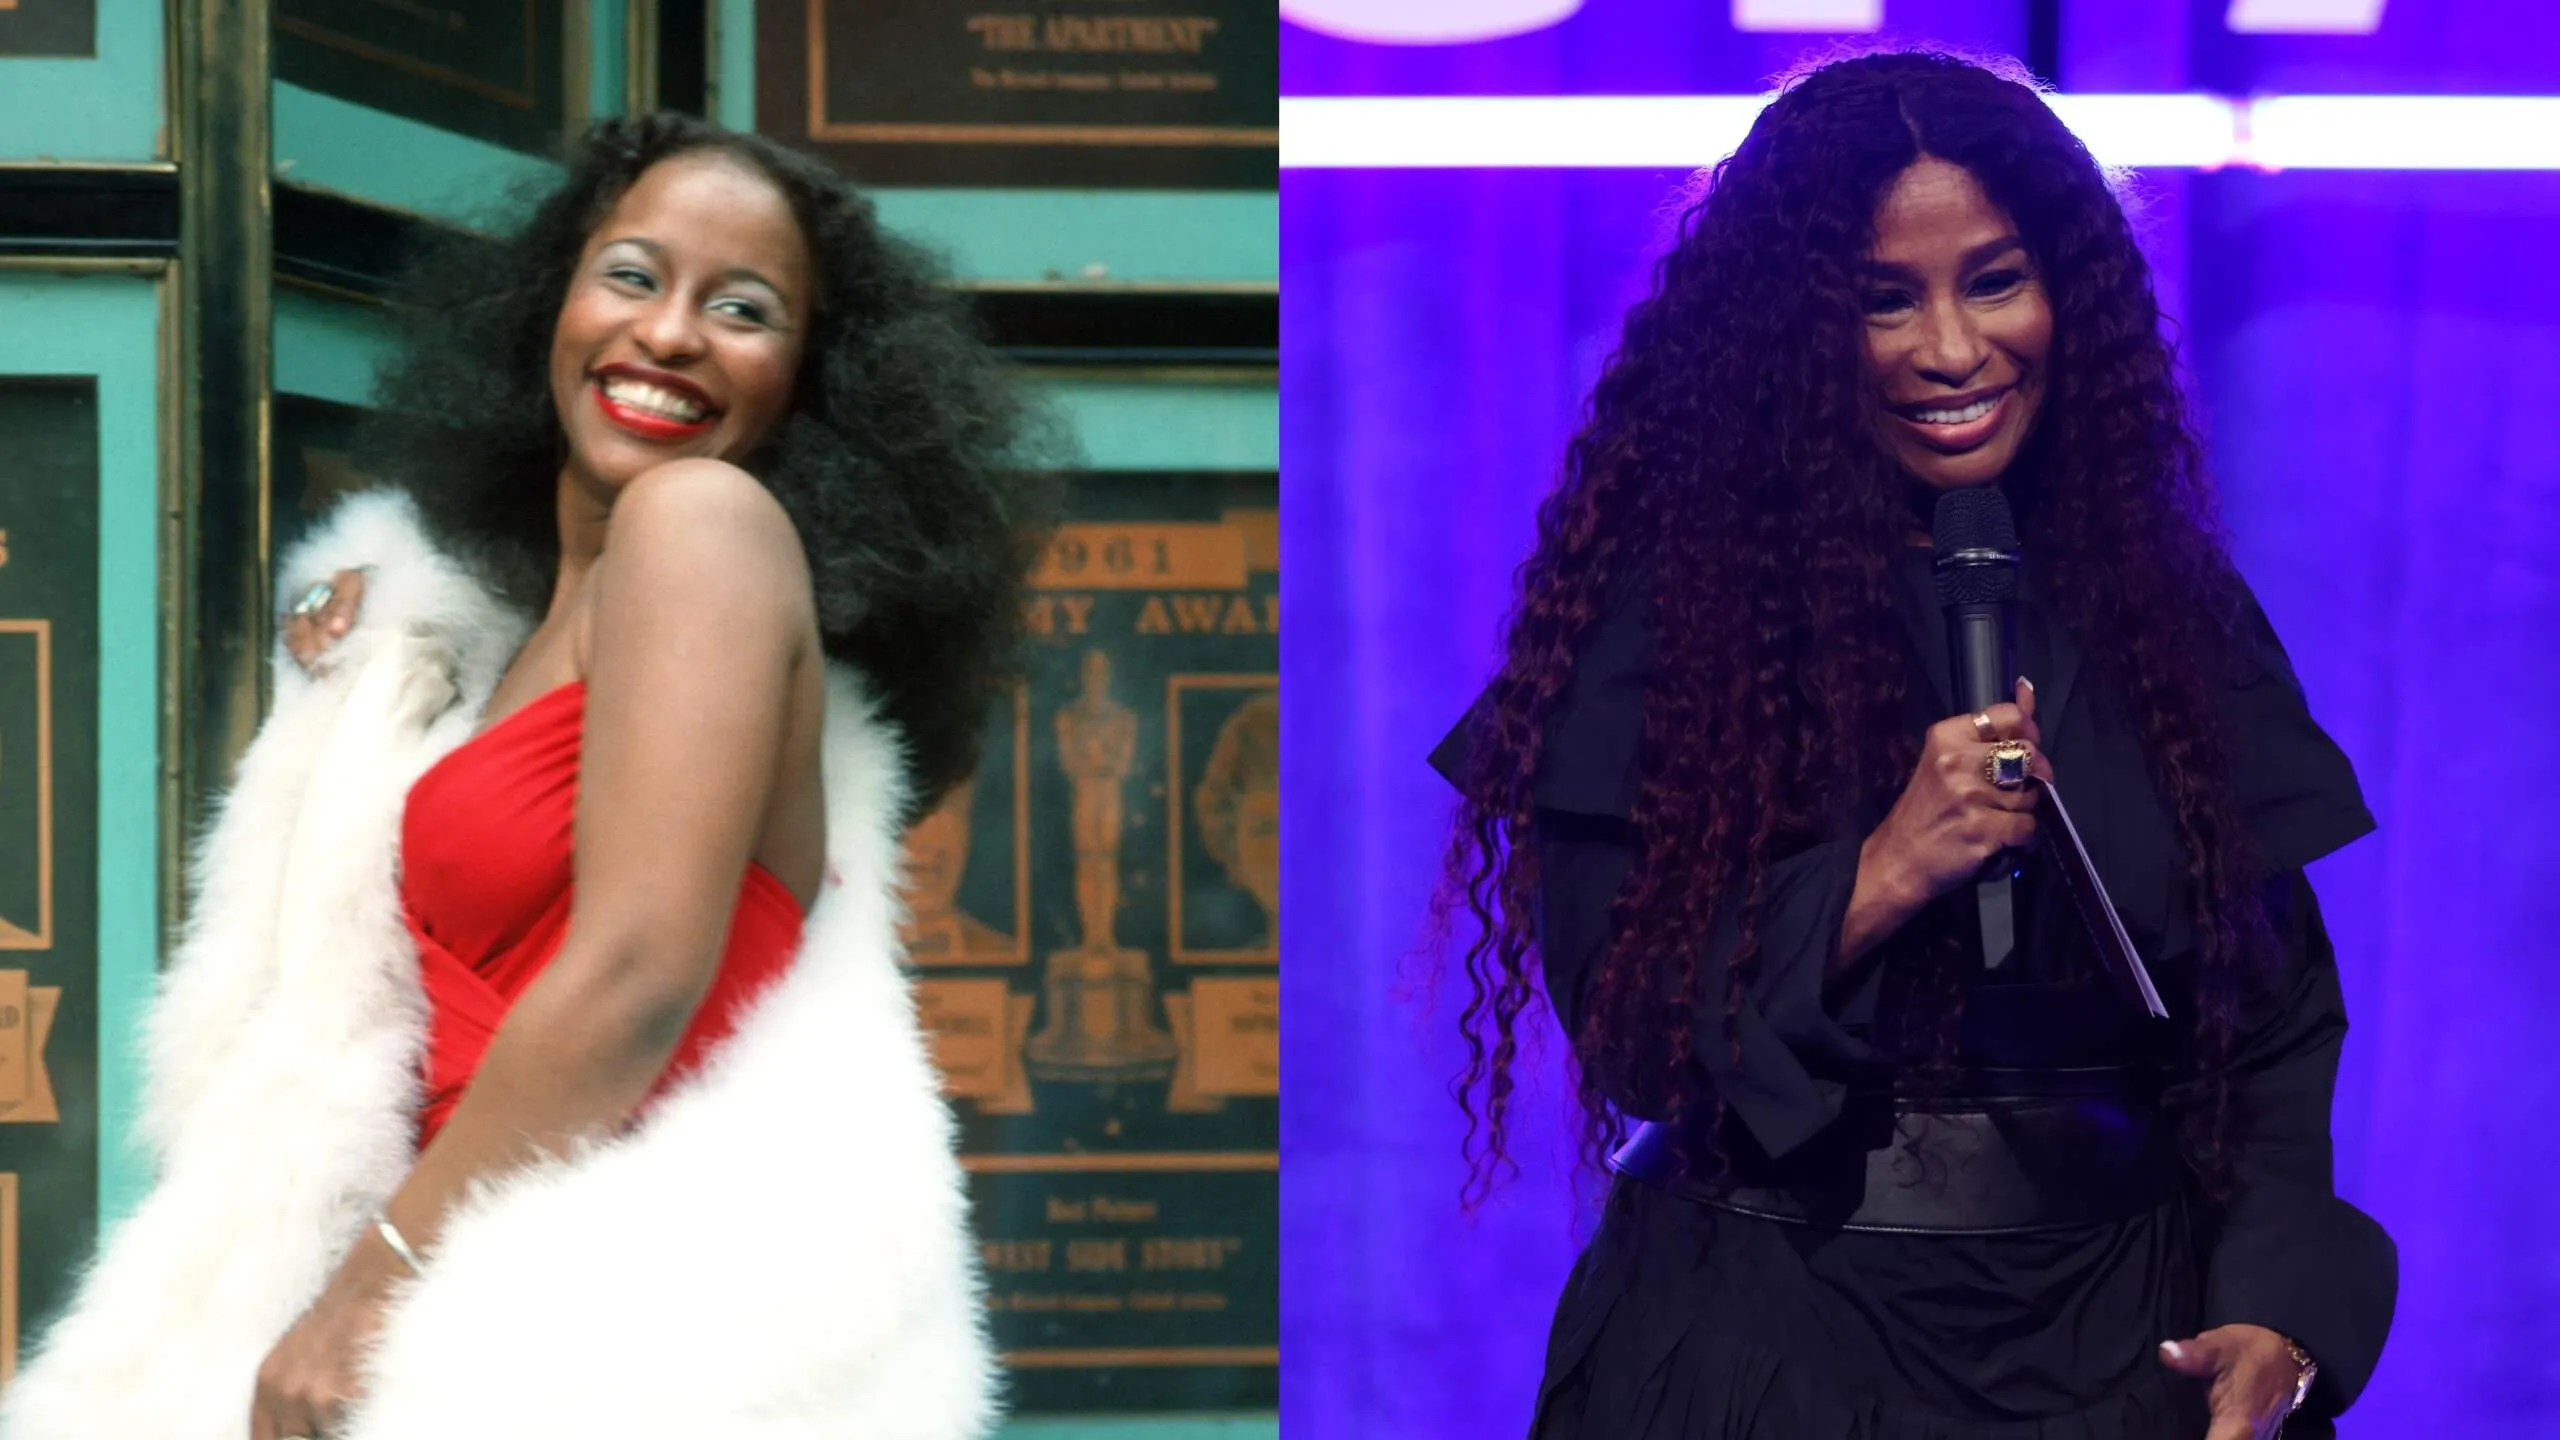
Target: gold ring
(1982, 727)
(2006, 766)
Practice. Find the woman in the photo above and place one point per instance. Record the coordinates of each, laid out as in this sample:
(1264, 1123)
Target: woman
(1718, 792)
(1237, 804)
(741, 537)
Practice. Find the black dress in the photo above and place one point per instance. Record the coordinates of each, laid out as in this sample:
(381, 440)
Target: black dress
(1686, 1320)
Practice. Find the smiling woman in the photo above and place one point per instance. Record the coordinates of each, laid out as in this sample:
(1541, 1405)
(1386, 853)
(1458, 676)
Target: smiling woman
(582, 797)
(693, 337)
(1870, 1181)
(861, 399)
(1957, 329)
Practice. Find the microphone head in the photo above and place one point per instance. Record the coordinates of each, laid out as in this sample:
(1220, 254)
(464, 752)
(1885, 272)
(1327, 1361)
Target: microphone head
(1977, 540)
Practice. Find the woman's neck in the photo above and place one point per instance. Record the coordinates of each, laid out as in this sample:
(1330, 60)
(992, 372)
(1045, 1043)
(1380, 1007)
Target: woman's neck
(583, 508)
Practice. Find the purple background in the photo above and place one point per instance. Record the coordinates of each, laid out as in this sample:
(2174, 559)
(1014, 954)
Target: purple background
(2377, 359)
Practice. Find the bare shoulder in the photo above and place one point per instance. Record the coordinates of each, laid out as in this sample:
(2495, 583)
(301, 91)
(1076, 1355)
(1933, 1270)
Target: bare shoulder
(706, 530)
(705, 506)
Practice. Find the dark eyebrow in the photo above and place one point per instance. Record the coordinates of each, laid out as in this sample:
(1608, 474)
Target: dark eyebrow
(658, 253)
(1973, 259)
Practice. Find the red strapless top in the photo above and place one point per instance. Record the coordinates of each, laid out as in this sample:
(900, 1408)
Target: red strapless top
(487, 845)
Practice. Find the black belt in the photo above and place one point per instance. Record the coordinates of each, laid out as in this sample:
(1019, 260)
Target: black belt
(2018, 1150)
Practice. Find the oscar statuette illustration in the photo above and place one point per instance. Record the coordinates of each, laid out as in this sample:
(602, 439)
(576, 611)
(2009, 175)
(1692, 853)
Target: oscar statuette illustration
(1100, 1023)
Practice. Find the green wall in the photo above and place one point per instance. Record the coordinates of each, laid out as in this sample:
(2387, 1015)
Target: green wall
(106, 107)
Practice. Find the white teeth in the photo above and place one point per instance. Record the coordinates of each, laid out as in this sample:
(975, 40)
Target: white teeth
(643, 396)
(1974, 411)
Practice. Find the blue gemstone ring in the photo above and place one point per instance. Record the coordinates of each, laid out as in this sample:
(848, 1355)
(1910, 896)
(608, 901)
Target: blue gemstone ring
(315, 599)
(2006, 766)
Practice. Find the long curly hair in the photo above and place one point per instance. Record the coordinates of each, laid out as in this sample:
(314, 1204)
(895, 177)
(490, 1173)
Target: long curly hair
(1727, 477)
(921, 481)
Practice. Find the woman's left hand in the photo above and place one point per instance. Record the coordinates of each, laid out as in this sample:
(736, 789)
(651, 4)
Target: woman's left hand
(2252, 1373)
(317, 1370)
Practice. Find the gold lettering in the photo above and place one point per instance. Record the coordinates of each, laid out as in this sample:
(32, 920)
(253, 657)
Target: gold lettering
(4, 547)
(1188, 1252)
(1123, 1212)
(1014, 1256)
(1058, 614)
(1066, 1212)
(1006, 32)
(1196, 614)
(1094, 1256)
(1144, 34)
(1175, 555)
(1209, 615)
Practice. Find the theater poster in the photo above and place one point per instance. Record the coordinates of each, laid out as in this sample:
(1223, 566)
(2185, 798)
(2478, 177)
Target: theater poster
(1063, 94)
(1095, 943)
(48, 847)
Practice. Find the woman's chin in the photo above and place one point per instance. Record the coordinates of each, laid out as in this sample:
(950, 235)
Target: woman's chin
(1973, 468)
(612, 466)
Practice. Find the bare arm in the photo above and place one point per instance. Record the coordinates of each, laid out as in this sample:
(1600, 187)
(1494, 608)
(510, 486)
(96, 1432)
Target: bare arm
(702, 617)
(702, 620)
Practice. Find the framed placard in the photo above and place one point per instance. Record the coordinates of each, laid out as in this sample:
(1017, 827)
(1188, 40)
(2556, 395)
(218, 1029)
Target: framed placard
(1067, 94)
(49, 28)
(1112, 1042)
(49, 659)
(490, 69)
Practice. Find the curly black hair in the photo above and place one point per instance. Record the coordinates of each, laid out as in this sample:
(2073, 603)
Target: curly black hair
(1728, 473)
(921, 480)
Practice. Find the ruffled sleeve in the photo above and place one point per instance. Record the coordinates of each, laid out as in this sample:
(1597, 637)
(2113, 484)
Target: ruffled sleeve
(1797, 1047)
(1588, 765)
(2296, 789)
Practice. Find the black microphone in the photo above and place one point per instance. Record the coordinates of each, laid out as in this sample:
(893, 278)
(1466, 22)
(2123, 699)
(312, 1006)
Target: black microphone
(1977, 574)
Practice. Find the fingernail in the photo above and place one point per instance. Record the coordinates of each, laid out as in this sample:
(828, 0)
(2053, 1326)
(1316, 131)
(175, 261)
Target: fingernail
(2173, 1350)
(2030, 684)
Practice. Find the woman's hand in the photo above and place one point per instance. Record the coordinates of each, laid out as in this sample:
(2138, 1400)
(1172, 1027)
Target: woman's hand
(1948, 821)
(1950, 818)
(316, 1371)
(2252, 1371)
(308, 634)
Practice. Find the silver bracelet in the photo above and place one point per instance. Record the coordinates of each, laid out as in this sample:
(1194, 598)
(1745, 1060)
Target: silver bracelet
(399, 1244)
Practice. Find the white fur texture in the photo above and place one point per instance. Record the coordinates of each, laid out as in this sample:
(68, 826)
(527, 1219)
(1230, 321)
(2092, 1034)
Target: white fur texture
(780, 1251)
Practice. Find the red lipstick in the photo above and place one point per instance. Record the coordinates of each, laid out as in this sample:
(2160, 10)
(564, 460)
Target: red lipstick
(643, 424)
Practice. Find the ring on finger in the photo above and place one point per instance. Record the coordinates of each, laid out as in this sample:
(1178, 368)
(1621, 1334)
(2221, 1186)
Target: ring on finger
(2005, 766)
(1982, 727)
(313, 601)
